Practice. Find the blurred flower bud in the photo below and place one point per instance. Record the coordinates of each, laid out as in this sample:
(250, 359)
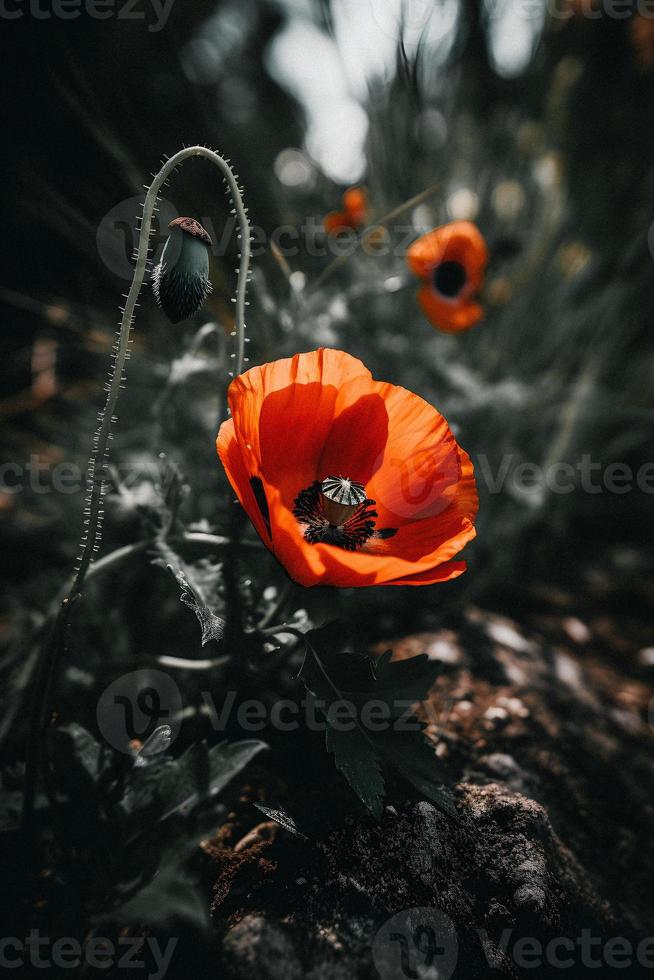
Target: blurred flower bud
(180, 281)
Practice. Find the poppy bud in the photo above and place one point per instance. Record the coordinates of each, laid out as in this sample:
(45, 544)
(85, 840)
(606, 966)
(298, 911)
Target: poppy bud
(180, 281)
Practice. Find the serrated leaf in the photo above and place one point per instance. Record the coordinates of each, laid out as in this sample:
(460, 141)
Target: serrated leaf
(409, 679)
(355, 756)
(212, 625)
(361, 754)
(165, 787)
(282, 817)
(360, 679)
(412, 758)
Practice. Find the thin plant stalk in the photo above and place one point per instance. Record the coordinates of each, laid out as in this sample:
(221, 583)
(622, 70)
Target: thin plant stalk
(96, 480)
(367, 234)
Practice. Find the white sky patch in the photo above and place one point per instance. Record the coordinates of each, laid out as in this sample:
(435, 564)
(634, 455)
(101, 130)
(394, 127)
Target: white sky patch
(330, 75)
(426, 22)
(365, 40)
(515, 27)
(306, 62)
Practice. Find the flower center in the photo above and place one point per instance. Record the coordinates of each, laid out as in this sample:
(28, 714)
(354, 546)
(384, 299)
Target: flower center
(449, 278)
(336, 511)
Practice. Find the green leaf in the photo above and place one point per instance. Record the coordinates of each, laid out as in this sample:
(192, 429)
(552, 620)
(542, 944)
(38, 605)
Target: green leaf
(355, 756)
(332, 671)
(410, 755)
(359, 678)
(404, 680)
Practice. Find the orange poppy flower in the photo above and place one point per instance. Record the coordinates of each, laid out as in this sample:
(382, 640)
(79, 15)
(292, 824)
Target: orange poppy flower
(354, 214)
(642, 37)
(451, 261)
(348, 481)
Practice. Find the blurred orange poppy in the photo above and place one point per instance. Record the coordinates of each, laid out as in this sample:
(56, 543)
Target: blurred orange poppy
(348, 481)
(354, 214)
(451, 261)
(642, 37)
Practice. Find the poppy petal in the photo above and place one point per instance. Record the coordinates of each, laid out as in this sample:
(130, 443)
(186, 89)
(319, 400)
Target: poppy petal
(231, 457)
(324, 564)
(448, 315)
(423, 471)
(283, 412)
(354, 446)
(323, 410)
(335, 221)
(458, 241)
(353, 215)
(441, 573)
(355, 202)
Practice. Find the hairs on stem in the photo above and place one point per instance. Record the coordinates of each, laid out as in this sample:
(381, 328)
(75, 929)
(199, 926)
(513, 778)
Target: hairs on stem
(96, 482)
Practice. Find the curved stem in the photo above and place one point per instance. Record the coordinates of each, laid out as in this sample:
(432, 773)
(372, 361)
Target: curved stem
(96, 484)
(198, 537)
(99, 455)
(276, 607)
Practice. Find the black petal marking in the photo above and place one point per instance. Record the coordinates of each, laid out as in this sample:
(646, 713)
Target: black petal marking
(449, 278)
(262, 503)
(386, 532)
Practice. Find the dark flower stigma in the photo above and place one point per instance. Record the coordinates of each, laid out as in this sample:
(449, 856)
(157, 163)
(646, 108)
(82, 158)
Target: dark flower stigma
(449, 278)
(351, 534)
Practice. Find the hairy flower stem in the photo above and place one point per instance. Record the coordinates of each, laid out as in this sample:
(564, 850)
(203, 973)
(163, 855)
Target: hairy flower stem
(96, 478)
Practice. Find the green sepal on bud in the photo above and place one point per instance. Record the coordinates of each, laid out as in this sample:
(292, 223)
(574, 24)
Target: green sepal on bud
(180, 281)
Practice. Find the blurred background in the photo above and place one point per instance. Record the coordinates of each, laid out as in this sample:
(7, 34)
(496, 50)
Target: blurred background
(536, 121)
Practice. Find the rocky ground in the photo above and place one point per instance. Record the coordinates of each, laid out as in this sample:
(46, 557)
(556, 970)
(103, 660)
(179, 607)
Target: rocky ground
(543, 729)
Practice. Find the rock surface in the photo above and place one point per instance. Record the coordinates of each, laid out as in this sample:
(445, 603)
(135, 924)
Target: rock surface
(544, 734)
